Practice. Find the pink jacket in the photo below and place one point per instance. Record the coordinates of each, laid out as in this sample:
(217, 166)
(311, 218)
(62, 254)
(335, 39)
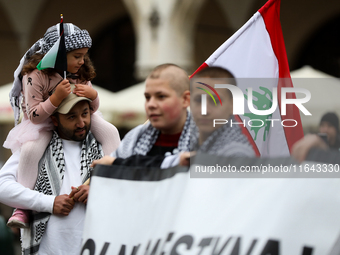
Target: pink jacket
(37, 87)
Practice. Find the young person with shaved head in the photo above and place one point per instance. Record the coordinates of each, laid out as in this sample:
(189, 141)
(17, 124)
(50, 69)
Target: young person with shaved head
(156, 143)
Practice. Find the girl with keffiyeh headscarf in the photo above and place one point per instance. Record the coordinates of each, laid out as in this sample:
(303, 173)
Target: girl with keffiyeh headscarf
(41, 92)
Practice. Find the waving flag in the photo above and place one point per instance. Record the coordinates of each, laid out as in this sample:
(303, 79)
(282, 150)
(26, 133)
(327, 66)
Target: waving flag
(56, 56)
(255, 51)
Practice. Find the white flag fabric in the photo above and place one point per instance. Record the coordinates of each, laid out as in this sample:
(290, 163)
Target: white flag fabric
(257, 51)
(134, 211)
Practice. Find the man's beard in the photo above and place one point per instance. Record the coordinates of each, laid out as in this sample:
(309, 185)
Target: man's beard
(71, 134)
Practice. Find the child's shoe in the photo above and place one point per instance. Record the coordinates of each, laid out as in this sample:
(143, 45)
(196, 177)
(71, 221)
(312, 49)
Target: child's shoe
(19, 219)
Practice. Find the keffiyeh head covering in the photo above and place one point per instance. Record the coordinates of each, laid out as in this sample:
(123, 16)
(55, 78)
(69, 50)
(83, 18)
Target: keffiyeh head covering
(75, 38)
(227, 141)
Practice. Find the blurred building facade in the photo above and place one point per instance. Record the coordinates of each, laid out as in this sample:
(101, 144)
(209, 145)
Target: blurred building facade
(130, 37)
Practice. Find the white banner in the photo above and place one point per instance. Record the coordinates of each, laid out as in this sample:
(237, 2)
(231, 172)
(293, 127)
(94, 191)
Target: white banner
(135, 211)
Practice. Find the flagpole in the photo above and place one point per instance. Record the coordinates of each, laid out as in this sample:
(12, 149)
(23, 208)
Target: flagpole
(56, 56)
(61, 30)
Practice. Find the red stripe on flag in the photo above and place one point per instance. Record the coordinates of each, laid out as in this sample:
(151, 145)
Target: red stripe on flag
(271, 15)
(204, 65)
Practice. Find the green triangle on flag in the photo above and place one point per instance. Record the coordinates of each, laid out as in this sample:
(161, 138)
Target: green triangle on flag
(49, 60)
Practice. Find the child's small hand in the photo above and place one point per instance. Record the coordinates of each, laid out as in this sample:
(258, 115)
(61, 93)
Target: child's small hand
(62, 91)
(85, 91)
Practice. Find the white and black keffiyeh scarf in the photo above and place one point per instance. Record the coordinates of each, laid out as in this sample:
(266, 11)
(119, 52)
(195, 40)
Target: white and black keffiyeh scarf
(49, 181)
(228, 141)
(150, 135)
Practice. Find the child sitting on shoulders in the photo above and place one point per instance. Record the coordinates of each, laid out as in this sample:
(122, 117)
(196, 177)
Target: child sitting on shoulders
(43, 91)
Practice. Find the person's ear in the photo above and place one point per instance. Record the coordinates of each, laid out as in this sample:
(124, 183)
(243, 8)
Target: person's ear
(186, 98)
(54, 120)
